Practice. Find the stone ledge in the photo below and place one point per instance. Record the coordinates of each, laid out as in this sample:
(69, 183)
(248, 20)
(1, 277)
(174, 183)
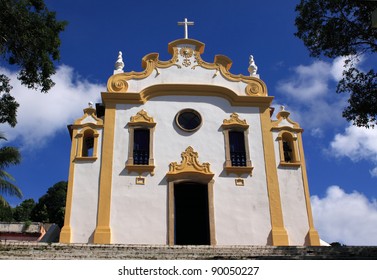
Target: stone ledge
(58, 251)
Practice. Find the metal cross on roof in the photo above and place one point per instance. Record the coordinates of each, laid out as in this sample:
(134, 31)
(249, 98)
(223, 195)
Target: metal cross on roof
(186, 23)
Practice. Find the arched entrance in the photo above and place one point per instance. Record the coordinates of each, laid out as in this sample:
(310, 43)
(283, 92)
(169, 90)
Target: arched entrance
(190, 198)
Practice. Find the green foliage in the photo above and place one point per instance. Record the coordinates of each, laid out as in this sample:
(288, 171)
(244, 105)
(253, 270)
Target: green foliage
(29, 39)
(334, 28)
(8, 156)
(8, 104)
(22, 212)
(6, 213)
(51, 206)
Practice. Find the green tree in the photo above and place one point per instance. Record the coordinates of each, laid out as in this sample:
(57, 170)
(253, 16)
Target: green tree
(6, 213)
(22, 212)
(29, 39)
(51, 206)
(334, 28)
(8, 156)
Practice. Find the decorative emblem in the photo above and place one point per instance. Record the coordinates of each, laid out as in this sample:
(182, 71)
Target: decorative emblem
(187, 53)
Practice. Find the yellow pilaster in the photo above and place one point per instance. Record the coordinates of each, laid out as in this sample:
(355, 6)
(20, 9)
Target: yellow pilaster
(66, 232)
(312, 236)
(102, 234)
(279, 235)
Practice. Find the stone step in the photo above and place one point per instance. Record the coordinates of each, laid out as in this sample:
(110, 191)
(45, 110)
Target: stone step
(43, 251)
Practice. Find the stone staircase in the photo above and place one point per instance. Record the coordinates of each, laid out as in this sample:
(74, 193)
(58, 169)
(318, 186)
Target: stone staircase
(57, 251)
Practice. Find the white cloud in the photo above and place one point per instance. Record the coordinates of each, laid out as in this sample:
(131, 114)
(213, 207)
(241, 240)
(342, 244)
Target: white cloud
(40, 115)
(373, 172)
(308, 82)
(356, 143)
(348, 218)
(311, 90)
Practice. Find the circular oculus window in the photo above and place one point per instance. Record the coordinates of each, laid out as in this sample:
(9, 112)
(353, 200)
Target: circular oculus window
(188, 120)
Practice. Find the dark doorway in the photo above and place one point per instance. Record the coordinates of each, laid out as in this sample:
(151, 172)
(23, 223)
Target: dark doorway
(191, 214)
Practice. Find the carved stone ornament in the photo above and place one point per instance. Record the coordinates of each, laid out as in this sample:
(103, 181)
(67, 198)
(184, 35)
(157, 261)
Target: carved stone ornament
(235, 121)
(118, 84)
(186, 52)
(189, 163)
(253, 89)
(142, 117)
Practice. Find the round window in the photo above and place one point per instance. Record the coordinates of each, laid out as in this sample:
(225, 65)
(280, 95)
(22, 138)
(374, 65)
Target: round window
(188, 120)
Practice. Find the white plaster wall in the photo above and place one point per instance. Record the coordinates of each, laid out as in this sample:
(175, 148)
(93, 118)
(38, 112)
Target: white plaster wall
(85, 197)
(139, 213)
(292, 200)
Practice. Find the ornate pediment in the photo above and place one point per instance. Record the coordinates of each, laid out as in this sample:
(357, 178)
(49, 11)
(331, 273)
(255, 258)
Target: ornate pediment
(235, 120)
(142, 117)
(189, 164)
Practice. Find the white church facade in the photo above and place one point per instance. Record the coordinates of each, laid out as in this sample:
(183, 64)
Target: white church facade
(186, 153)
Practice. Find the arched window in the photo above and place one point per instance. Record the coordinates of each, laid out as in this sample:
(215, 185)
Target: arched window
(237, 156)
(87, 142)
(288, 149)
(140, 152)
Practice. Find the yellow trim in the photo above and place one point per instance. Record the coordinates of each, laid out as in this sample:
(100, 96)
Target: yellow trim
(66, 231)
(189, 165)
(279, 235)
(236, 124)
(118, 83)
(185, 111)
(284, 115)
(199, 46)
(141, 120)
(102, 234)
(185, 90)
(190, 170)
(80, 139)
(292, 139)
(89, 112)
(312, 236)
(235, 121)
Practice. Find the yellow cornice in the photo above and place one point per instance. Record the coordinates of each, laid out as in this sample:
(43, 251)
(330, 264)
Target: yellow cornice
(186, 90)
(90, 125)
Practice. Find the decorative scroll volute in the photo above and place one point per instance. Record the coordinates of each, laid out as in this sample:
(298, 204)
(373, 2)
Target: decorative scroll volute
(117, 83)
(254, 88)
(235, 121)
(190, 164)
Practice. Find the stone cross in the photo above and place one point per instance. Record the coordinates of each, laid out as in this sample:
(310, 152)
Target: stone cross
(186, 23)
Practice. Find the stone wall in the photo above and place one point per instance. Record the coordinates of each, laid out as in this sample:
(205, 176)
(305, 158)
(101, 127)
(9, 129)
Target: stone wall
(51, 251)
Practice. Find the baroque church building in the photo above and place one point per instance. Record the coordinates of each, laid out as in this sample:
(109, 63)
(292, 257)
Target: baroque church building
(186, 153)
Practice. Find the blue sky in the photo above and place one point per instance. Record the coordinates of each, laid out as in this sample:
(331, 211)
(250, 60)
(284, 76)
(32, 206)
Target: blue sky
(341, 159)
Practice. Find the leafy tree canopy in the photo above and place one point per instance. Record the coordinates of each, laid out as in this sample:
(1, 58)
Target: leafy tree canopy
(22, 212)
(8, 156)
(51, 206)
(334, 28)
(29, 39)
